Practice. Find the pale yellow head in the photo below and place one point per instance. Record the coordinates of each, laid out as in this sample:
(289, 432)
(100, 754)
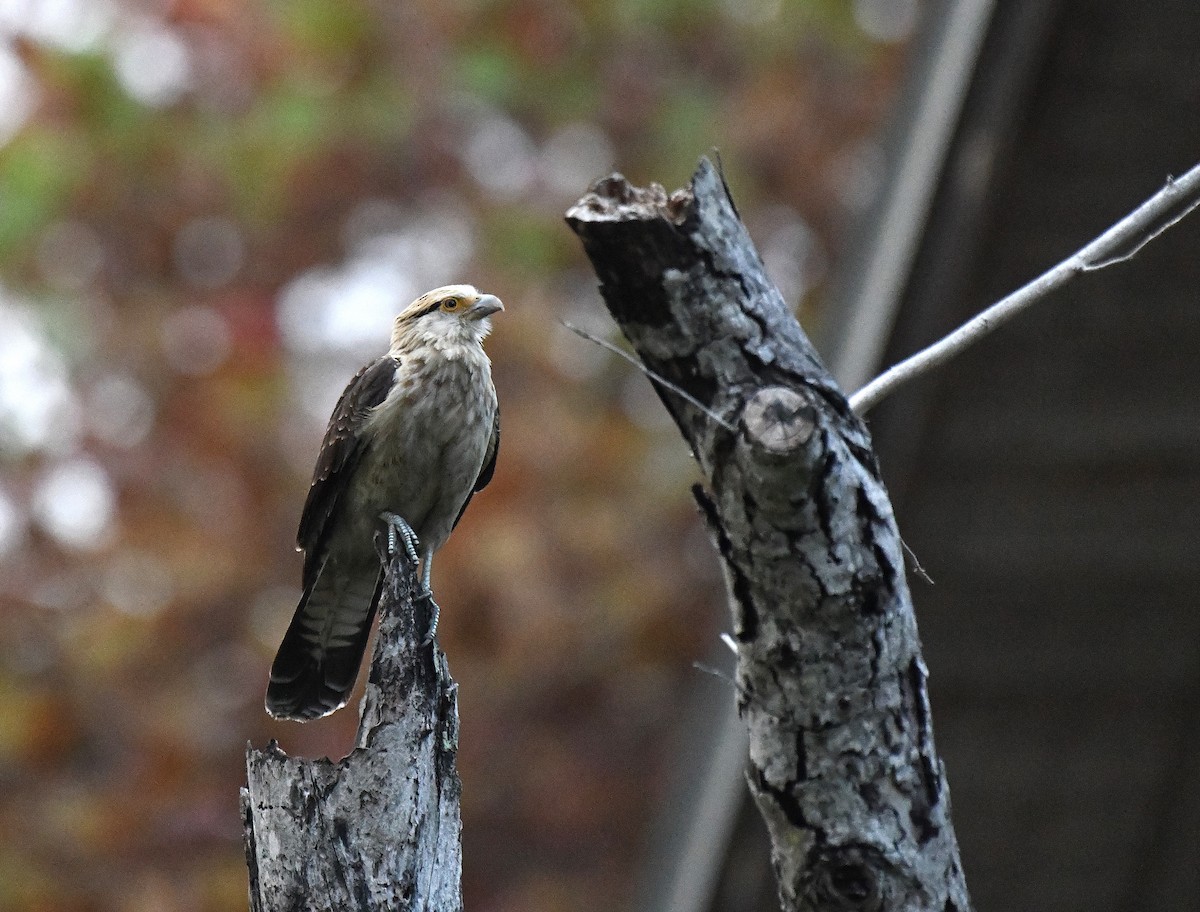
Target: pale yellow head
(452, 313)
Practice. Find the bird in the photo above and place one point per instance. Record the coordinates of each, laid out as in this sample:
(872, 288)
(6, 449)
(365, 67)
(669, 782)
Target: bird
(414, 436)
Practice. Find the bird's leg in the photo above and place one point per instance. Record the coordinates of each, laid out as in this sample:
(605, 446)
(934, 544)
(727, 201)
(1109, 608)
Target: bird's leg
(399, 530)
(427, 593)
(427, 573)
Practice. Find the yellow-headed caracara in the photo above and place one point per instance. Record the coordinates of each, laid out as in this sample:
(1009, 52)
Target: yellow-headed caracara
(412, 438)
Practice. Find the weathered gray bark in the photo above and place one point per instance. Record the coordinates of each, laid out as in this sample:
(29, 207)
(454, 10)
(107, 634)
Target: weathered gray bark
(830, 678)
(381, 828)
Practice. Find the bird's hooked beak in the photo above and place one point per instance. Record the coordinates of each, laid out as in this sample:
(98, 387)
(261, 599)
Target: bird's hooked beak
(485, 307)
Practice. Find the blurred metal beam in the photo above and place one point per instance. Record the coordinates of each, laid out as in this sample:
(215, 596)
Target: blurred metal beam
(865, 299)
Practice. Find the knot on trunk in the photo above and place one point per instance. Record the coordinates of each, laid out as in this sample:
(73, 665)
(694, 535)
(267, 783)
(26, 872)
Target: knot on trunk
(847, 878)
(778, 420)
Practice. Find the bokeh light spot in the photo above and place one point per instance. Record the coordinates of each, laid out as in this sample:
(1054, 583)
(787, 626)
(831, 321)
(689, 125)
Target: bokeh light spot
(364, 302)
(38, 410)
(347, 308)
(72, 25)
(886, 20)
(76, 504)
(70, 255)
(300, 308)
(501, 157)
(119, 411)
(209, 251)
(18, 94)
(394, 256)
(195, 340)
(575, 156)
(152, 63)
(791, 251)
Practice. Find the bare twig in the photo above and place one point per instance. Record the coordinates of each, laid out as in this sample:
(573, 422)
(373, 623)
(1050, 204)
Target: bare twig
(653, 377)
(1118, 244)
(916, 564)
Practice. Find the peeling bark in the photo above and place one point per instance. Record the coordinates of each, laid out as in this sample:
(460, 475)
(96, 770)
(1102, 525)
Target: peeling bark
(381, 829)
(830, 679)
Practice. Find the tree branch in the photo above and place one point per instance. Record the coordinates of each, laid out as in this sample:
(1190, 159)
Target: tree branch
(1119, 243)
(830, 679)
(380, 829)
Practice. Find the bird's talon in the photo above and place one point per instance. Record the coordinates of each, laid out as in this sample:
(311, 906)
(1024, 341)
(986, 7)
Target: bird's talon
(399, 530)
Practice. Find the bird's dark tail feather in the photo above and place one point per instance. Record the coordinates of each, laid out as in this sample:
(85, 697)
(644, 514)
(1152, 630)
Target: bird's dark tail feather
(308, 682)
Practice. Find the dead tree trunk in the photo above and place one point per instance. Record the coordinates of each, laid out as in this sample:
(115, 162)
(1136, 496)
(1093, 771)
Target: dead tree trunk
(379, 830)
(830, 679)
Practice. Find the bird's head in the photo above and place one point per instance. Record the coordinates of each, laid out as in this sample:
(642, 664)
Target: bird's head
(450, 314)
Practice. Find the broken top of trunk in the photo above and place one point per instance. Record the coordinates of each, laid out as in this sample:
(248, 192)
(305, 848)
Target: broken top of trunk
(380, 829)
(830, 679)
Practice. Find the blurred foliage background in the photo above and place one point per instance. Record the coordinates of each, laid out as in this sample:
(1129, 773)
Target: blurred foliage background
(209, 212)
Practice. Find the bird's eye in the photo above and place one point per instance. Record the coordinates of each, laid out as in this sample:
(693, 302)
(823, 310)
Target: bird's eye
(450, 304)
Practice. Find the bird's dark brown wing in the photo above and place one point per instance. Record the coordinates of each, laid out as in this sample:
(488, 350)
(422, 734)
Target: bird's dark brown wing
(489, 465)
(341, 450)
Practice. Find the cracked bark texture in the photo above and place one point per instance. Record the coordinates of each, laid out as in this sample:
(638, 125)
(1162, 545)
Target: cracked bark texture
(380, 829)
(830, 679)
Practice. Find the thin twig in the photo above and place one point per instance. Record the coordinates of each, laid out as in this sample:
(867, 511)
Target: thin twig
(1118, 244)
(916, 564)
(654, 378)
(716, 673)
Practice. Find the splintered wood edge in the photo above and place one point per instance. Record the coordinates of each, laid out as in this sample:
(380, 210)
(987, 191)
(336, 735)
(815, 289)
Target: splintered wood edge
(615, 199)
